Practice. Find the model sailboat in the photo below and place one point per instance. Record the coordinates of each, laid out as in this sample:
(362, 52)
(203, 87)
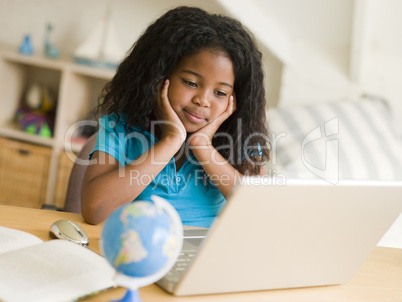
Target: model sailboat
(101, 48)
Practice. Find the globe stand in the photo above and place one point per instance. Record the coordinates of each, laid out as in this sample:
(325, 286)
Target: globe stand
(132, 284)
(131, 295)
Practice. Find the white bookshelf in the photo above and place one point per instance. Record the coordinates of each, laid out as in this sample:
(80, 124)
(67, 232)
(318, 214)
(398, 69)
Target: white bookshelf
(75, 88)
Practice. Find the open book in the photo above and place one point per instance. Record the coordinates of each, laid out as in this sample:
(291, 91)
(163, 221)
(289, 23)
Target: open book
(56, 270)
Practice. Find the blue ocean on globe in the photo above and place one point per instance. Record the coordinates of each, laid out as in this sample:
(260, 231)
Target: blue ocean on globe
(138, 239)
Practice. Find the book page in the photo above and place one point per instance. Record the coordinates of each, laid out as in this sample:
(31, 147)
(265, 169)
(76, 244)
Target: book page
(11, 239)
(55, 270)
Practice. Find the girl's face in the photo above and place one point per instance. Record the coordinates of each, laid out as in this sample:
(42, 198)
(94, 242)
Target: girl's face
(200, 88)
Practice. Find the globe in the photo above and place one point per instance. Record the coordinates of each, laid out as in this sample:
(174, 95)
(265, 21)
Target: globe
(142, 241)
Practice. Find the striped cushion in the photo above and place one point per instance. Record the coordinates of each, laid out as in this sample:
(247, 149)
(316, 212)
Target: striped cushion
(337, 140)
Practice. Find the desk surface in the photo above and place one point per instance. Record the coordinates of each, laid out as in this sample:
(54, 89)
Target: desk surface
(379, 278)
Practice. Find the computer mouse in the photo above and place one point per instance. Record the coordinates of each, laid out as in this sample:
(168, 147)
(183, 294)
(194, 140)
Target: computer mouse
(68, 230)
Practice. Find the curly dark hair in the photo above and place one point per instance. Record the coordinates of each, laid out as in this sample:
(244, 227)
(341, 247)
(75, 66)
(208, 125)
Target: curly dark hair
(184, 31)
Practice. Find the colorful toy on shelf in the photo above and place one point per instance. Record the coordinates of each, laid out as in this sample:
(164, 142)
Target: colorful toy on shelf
(36, 116)
(34, 122)
(26, 46)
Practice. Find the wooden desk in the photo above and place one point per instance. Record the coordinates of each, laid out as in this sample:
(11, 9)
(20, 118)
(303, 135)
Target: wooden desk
(379, 279)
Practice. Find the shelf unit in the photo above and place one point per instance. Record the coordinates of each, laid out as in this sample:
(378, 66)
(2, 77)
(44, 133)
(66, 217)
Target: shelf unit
(74, 87)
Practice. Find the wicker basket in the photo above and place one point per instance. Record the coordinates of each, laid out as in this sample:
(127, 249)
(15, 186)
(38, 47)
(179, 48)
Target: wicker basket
(24, 170)
(63, 174)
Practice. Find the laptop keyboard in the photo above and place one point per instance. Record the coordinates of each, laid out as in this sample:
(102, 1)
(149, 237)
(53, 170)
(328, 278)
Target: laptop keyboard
(191, 243)
(182, 263)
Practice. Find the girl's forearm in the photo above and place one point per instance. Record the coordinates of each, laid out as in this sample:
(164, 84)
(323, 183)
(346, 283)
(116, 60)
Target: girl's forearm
(222, 174)
(105, 192)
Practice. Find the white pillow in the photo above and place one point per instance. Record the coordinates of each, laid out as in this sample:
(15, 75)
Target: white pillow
(335, 140)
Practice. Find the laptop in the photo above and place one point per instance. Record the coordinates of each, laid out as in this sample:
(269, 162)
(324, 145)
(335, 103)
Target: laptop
(302, 234)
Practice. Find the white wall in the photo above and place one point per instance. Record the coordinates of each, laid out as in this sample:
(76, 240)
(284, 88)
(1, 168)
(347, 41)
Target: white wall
(324, 50)
(382, 74)
(74, 19)
(319, 31)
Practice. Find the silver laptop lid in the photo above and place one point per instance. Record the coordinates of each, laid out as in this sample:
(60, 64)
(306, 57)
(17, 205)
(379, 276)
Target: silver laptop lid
(297, 235)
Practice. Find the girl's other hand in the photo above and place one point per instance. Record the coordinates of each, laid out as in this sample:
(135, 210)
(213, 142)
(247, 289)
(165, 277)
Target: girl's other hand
(168, 121)
(203, 137)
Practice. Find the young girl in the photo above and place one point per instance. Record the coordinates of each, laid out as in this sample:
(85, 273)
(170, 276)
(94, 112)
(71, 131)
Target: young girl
(186, 119)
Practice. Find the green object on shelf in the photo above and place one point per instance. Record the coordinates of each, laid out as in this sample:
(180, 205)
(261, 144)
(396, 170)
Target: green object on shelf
(31, 129)
(45, 131)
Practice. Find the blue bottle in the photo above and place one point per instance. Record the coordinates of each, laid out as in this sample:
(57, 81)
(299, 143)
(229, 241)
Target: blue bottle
(26, 47)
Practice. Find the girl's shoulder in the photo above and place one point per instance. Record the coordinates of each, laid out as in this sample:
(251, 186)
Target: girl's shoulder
(117, 123)
(113, 118)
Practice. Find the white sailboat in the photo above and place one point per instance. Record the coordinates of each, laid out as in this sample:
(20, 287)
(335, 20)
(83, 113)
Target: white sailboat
(102, 47)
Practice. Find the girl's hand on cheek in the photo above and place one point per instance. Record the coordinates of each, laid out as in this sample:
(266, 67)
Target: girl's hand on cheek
(168, 121)
(203, 137)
